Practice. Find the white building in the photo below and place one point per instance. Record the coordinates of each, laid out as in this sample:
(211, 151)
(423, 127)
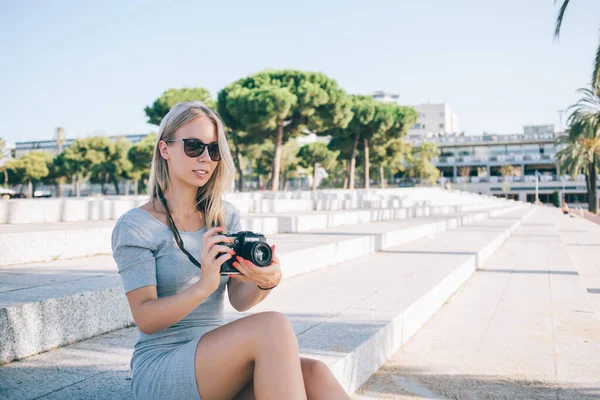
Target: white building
(434, 119)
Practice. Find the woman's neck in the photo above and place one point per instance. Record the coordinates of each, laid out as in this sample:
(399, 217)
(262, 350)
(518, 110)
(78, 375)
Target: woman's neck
(181, 200)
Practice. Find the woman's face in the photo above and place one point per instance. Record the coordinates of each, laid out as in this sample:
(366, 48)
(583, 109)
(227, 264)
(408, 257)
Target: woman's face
(195, 171)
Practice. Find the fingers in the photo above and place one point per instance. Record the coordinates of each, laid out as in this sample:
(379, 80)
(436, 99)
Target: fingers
(219, 248)
(216, 239)
(221, 259)
(251, 270)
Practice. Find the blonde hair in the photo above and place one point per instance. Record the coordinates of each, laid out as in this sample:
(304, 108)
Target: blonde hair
(208, 197)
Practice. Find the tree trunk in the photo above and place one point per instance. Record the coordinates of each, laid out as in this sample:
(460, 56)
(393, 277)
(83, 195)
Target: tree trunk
(352, 161)
(381, 177)
(29, 190)
(127, 184)
(367, 180)
(116, 186)
(78, 186)
(5, 177)
(593, 190)
(241, 168)
(277, 158)
(346, 182)
(240, 161)
(314, 182)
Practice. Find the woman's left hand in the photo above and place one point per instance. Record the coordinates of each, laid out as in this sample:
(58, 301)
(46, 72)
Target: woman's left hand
(265, 277)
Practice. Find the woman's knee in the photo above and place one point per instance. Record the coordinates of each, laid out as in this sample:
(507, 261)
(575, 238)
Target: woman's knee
(276, 324)
(314, 368)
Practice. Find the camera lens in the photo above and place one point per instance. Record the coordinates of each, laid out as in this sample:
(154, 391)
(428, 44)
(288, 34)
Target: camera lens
(260, 254)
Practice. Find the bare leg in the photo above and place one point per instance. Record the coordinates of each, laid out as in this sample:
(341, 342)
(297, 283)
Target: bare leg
(261, 348)
(318, 380)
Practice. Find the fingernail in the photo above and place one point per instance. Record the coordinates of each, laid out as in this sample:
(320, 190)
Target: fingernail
(238, 258)
(236, 264)
(233, 252)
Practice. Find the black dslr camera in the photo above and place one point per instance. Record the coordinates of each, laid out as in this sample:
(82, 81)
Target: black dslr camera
(250, 246)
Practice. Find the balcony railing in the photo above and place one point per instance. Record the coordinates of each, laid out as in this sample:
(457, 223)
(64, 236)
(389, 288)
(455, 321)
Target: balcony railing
(507, 158)
(549, 137)
(526, 178)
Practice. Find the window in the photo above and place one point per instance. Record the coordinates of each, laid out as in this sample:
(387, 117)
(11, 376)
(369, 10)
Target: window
(441, 126)
(417, 126)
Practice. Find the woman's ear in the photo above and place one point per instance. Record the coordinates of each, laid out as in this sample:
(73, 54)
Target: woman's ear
(164, 150)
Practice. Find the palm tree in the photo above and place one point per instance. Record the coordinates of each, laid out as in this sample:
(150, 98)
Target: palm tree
(581, 145)
(596, 72)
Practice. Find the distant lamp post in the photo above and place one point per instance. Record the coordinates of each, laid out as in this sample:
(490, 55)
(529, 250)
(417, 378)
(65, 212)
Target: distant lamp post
(59, 136)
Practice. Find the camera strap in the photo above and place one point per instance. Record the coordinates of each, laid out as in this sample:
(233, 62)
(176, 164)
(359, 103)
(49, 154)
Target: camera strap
(173, 228)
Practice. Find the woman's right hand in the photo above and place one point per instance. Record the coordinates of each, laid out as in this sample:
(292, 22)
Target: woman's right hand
(210, 275)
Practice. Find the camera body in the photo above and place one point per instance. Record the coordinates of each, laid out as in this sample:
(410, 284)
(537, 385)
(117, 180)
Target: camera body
(250, 246)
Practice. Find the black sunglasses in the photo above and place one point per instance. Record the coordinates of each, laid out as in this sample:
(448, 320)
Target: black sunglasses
(194, 148)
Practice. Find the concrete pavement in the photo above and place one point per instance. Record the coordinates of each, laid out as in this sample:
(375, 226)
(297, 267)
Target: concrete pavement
(525, 326)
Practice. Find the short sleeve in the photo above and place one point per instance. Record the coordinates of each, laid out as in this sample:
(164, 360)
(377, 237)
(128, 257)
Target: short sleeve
(133, 254)
(234, 222)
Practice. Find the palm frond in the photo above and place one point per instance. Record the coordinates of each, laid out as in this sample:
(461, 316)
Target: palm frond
(596, 73)
(559, 19)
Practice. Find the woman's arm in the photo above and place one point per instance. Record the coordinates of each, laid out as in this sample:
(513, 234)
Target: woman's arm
(152, 314)
(245, 295)
(243, 289)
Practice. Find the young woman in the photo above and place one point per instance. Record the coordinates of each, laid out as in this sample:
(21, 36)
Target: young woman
(184, 350)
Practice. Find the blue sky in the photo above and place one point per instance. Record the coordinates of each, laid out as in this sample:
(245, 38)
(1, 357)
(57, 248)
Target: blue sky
(92, 67)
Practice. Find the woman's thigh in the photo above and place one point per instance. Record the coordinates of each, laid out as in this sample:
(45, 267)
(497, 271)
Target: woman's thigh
(224, 360)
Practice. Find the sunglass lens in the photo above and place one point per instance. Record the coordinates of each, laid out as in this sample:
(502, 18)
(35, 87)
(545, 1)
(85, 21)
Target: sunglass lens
(213, 152)
(193, 148)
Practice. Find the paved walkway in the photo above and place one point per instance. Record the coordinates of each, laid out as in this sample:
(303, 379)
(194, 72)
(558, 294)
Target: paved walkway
(526, 326)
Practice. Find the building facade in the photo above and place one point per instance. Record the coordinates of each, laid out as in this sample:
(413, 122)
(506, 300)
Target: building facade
(479, 164)
(51, 146)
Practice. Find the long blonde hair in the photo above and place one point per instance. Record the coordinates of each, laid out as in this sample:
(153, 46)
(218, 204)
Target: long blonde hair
(208, 197)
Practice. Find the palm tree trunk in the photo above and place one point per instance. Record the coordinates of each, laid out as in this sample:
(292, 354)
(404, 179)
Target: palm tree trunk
(593, 188)
(352, 161)
(277, 158)
(367, 180)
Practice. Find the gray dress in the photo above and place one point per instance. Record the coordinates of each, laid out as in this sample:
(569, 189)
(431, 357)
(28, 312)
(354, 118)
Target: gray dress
(146, 254)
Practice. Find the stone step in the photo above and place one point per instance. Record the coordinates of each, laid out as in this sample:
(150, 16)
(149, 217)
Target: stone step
(352, 316)
(43, 306)
(64, 240)
(70, 209)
